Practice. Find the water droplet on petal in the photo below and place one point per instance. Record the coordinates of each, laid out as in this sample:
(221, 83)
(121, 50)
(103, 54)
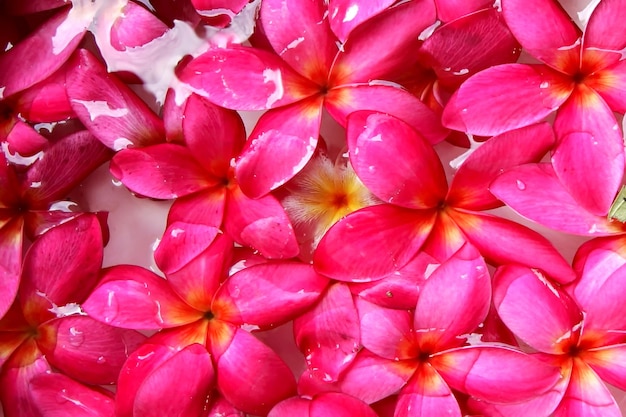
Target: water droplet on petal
(112, 307)
(544, 84)
(235, 292)
(520, 185)
(76, 337)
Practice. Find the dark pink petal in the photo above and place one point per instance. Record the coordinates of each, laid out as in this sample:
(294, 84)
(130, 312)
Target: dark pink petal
(261, 224)
(46, 101)
(470, 185)
(308, 47)
(506, 97)
(213, 135)
(15, 391)
(609, 363)
(453, 301)
(328, 334)
(295, 406)
(178, 387)
(337, 404)
(603, 32)
(11, 238)
(610, 83)
(535, 192)
(56, 395)
(535, 310)
(135, 26)
(448, 10)
(218, 13)
(109, 108)
(204, 207)
(372, 242)
(589, 157)
(344, 15)
(394, 162)
(386, 332)
(385, 97)
(495, 374)
(181, 243)
(135, 298)
(282, 142)
(222, 408)
(499, 240)
(244, 78)
(445, 237)
(384, 45)
(38, 222)
(162, 171)
(22, 139)
(34, 6)
(262, 296)
(248, 361)
(40, 54)
(9, 342)
(553, 39)
(427, 394)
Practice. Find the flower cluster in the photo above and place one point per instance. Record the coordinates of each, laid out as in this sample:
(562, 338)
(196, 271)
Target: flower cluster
(320, 257)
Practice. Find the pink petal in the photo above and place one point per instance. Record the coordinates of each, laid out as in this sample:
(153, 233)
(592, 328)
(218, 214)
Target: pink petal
(328, 334)
(506, 97)
(386, 332)
(162, 171)
(56, 395)
(22, 138)
(40, 54)
(218, 13)
(87, 350)
(588, 135)
(204, 207)
(535, 192)
(295, 406)
(34, 6)
(609, 363)
(222, 408)
(453, 301)
(535, 310)
(470, 185)
(134, 298)
(346, 15)
(178, 387)
(339, 405)
(261, 296)
(135, 26)
(445, 237)
(109, 108)
(499, 240)
(261, 224)
(308, 47)
(244, 78)
(448, 10)
(415, 180)
(181, 243)
(495, 374)
(280, 145)
(245, 361)
(15, 390)
(385, 97)
(610, 83)
(11, 238)
(46, 101)
(554, 39)
(603, 32)
(372, 242)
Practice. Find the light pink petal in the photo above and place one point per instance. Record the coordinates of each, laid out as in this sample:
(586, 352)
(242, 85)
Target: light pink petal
(385, 97)
(135, 298)
(56, 395)
(586, 395)
(495, 374)
(204, 207)
(470, 185)
(87, 350)
(386, 332)
(499, 240)
(414, 180)
(603, 35)
(308, 47)
(244, 78)
(453, 301)
(295, 406)
(588, 136)
(345, 15)
(11, 238)
(40, 54)
(178, 387)
(427, 394)
(109, 108)
(610, 83)
(372, 242)
(261, 224)
(535, 310)
(609, 363)
(553, 39)
(337, 404)
(535, 192)
(385, 45)
(262, 296)
(248, 361)
(162, 171)
(506, 97)
(280, 145)
(46, 101)
(181, 243)
(448, 10)
(135, 26)
(328, 334)
(15, 391)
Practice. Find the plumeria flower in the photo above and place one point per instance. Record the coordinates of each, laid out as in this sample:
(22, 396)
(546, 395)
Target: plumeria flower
(580, 328)
(308, 71)
(401, 168)
(203, 313)
(46, 331)
(581, 76)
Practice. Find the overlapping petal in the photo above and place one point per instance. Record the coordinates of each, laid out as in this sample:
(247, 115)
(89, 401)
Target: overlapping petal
(609, 363)
(427, 394)
(385, 332)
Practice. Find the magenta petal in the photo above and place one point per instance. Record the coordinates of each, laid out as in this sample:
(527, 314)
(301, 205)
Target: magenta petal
(295, 406)
(415, 180)
(609, 363)
(204, 207)
(11, 237)
(248, 360)
(23, 139)
(222, 408)
(328, 334)
(34, 6)
(346, 15)
(610, 83)
(603, 34)
(384, 331)
(15, 391)
(181, 243)
(109, 108)
(505, 97)
(280, 145)
(46, 100)
(495, 374)
(135, 26)
(337, 404)
(178, 387)
(448, 10)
